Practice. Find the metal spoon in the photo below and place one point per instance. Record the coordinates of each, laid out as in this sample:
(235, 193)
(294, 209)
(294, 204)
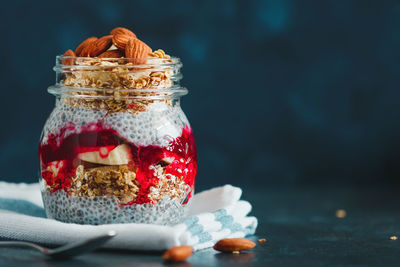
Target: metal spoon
(68, 250)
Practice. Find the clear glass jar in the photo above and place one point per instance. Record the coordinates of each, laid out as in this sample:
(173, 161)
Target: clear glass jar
(117, 148)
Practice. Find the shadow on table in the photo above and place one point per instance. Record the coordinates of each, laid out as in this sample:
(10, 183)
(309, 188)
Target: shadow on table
(243, 257)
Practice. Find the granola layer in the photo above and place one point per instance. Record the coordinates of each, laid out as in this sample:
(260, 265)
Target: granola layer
(120, 182)
(119, 81)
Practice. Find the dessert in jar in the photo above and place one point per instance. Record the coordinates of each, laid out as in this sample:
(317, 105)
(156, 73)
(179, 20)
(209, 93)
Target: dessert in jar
(117, 148)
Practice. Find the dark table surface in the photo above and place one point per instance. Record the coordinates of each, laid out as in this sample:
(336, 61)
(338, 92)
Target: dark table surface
(300, 226)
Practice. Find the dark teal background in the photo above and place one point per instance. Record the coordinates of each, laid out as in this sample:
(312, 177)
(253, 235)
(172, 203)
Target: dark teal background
(281, 92)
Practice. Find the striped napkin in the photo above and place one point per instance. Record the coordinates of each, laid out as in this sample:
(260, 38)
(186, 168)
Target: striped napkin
(214, 214)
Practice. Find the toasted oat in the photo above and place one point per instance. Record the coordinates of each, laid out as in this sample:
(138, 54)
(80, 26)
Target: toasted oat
(120, 181)
(117, 181)
(116, 80)
(168, 185)
(159, 54)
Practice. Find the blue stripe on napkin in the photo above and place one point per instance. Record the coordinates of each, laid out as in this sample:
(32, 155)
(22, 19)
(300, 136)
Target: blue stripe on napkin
(227, 222)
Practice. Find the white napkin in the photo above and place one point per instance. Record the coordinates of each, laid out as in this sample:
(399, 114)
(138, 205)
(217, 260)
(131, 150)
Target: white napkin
(214, 214)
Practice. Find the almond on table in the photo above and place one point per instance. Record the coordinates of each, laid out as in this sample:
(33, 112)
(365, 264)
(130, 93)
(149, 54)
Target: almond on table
(178, 253)
(234, 245)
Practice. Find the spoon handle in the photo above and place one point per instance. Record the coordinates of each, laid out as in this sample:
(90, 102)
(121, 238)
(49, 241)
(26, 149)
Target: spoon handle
(22, 244)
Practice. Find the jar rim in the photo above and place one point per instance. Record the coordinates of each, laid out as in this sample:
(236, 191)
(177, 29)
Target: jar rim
(151, 63)
(148, 93)
(102, 78)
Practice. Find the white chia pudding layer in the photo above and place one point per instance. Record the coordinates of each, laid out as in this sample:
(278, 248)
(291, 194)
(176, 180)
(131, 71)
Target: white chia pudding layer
(157, 125)
(106, 210)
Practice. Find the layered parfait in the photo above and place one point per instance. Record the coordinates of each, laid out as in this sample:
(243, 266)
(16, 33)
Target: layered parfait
(117, 147)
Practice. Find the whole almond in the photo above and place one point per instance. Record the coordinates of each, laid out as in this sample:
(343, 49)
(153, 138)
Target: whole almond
(100, 45)
(122, 30)
(86, 49)
(179, 253)
(68, 61)
(115, 53)
(234, 244)
(84, 44)
(137, 51)
(120, 40)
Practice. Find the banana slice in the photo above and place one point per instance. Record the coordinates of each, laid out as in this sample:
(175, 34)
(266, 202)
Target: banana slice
(118, 156)
(56, 166)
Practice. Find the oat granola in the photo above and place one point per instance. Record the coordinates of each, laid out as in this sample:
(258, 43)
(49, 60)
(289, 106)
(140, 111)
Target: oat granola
(119, 82)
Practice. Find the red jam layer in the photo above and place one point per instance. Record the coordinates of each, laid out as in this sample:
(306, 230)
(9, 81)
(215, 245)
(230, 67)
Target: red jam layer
(60, 159)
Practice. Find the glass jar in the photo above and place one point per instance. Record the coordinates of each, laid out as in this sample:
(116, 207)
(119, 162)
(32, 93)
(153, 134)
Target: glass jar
(117, 148)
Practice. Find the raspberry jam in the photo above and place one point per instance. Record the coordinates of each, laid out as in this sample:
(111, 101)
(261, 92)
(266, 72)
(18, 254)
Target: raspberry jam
(59, 161)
